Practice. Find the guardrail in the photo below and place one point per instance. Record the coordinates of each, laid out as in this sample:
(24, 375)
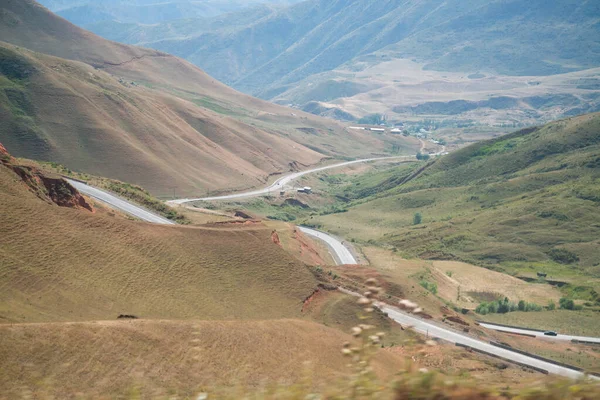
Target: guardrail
(584, 342)
(74, 179)
(511, 326)
(502, 346)
(541, 370)
(518, 333)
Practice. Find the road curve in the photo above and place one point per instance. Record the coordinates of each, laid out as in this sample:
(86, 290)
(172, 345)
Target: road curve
(455, 337)
(118, 203)
(538, 333)
(284, 180)
(337, 249)
(434, 330)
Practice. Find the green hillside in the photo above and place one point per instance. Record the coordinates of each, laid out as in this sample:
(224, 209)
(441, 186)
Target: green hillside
(523, 203)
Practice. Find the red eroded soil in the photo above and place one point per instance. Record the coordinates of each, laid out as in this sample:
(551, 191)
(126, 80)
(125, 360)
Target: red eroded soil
(307, 249)
(275, 238)
(52, 189)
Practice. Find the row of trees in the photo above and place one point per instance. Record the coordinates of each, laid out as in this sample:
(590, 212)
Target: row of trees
(504, 306)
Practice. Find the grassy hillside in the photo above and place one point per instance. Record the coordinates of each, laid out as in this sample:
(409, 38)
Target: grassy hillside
(161, 122)
(172, 358)
(523, 203)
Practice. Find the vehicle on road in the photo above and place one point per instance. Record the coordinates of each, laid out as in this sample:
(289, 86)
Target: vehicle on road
(550, 333)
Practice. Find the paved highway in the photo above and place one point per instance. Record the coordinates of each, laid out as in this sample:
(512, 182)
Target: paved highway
(434, 330)
(283, 181)
(539, 334)
(339, 252)
(119, 203)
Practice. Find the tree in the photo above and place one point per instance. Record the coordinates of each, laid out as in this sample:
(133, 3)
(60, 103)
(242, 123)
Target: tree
(503, 307)
(521, 305)
(421, 156)
(417, 219)
(482, 309)
(372, 119)
(551, 305)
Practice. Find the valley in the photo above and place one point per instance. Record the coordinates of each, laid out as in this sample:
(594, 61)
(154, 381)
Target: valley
(407, 209)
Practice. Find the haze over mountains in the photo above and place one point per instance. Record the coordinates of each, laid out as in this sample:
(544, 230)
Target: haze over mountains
(82, 12)
(365, 56)
(144, 116)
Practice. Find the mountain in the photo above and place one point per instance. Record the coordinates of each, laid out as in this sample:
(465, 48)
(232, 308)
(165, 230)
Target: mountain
(366, 56)
(146, 117)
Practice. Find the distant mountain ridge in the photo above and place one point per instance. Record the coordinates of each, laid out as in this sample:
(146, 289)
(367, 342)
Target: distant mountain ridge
(83, 12)
(359, 57)
(515, 37)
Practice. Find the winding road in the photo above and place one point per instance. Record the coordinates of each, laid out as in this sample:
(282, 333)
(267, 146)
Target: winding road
(343, 256)
(340, 253)
(118, 203)
(284, 180)
(434, 330)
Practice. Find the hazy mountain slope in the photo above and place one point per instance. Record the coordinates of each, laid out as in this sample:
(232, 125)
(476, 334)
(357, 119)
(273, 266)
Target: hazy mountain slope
(506, 36)
(526, 201)
(84, 12)
(143, 116)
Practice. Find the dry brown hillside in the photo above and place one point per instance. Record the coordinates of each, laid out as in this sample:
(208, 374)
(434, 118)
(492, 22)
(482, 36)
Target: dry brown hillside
(205, 306)
(65, 264)
(146, 117)
(160, 358)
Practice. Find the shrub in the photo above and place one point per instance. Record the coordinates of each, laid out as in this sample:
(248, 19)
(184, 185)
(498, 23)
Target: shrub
(432, 287)
(563, 256)
(286, 217)
(417, 219)
(566, 304)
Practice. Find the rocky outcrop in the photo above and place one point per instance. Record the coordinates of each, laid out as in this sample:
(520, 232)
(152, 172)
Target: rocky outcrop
(62, 193)
(4, 156)
(241, 214)
(52, 189)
